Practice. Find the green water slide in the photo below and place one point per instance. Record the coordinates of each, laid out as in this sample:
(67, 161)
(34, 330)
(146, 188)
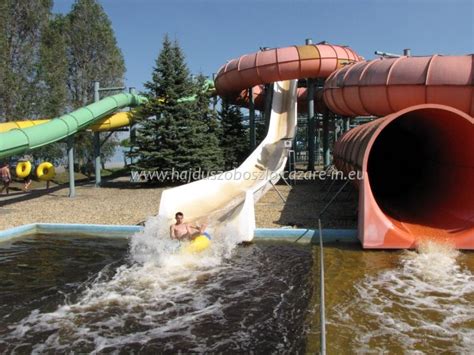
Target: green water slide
(17, 141)
(207, 87)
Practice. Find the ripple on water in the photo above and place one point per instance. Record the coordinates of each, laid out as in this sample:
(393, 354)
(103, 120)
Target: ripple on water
(425, 303)
(253, 298)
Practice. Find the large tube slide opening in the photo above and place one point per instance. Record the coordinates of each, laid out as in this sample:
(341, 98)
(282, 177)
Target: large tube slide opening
(421, 172)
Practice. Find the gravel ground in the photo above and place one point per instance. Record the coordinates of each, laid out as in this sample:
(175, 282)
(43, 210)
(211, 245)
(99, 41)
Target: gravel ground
(120, 202)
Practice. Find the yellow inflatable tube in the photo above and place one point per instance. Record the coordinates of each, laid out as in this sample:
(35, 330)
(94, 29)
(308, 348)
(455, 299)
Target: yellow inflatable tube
(199, 244)
(23, 169)
(45, 171)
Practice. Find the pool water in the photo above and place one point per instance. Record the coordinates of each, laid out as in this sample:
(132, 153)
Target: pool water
(84, 294)
(384, 301)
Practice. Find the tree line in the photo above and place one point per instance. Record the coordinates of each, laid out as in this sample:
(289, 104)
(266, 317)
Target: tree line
(185, 134)
(48, 63)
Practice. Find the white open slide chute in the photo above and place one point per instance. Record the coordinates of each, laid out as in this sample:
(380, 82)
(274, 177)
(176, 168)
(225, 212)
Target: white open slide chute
(226, 201)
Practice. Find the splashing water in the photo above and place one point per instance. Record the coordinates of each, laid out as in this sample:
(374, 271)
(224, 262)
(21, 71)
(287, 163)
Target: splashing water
(162, 299)
(424, 304)
(153, 245)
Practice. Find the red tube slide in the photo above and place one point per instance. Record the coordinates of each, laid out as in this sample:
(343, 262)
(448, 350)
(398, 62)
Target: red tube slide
(382, 86)
(265, 67)
(417, 163)
(417, 177)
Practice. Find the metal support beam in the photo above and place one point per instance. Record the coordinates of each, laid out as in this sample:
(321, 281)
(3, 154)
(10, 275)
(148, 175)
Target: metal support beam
(97, 141)
(106, 137)
(268, 105)
(278, 192)
(347, 124)
(336, 129)
(133, 127)
(318, 140)
(253, 141)
(97, 162)
(326, 153)
(70, 155)
(386, 54)
(291, 160)
(311, 123)
(113, 88)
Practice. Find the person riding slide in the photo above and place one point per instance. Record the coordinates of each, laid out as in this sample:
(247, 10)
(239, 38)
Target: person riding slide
(186, 231)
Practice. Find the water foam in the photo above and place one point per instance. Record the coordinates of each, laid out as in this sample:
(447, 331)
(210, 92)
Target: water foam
(151, 296)
(424, 303)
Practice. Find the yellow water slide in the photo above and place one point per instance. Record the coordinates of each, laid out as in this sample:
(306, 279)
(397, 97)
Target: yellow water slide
(109, 123)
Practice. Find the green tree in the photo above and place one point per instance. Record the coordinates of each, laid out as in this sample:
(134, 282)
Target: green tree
(21, 24)
(93, 54)
(234, 138)
(52, 73)
(53, 68)
(172, 132)
(214, 158)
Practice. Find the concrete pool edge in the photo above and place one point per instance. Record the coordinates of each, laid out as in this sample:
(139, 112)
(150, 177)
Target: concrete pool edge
(124, 231)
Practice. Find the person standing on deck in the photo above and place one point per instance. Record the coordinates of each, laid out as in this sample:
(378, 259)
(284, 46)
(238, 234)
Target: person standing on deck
(6, 177)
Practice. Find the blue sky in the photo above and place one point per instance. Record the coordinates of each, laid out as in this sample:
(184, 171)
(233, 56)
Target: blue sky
(214, 31)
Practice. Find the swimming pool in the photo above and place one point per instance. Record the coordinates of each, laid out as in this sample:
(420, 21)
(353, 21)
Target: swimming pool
(83, 294)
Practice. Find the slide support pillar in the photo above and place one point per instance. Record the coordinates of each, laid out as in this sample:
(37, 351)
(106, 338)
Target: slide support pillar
(347, 124)
(337, 128)
(70, 155)
(133, 127)
(97, 162)
(318, 138)
(326, 153)
(253, 142)
(310, 125)
(268, 105)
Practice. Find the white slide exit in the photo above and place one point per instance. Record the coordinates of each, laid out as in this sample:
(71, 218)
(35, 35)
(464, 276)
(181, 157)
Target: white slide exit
(226, 200)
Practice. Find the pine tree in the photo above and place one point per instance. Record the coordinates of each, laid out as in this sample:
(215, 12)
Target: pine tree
(174, 132)
(156, 119)
(234, 138)
(212, 154)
